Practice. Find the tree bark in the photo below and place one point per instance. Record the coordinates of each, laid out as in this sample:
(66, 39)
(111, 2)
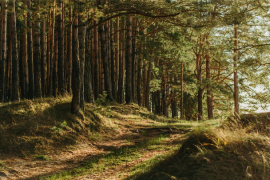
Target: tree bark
(82, 36)
(24, 57)
(104, 55)
(76, 83)
(139, 79)
(164, 94)
(116, 40)
(113, 64)
(121, 63)
(208, 77)
(129, 62)
(52, 55)
(96, 59)
(15, 61)
(200, 90)
(134, 59)
(88, 90)
(70, 51)
(61, 82)
(21, 63)
(55, 61)
(235, 58)
(182, 97)
(3, 51)
(43, 57)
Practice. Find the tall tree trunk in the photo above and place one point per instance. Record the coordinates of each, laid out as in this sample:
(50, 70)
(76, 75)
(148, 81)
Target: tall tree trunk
(55, 60)
(158, 103)
(134, 59)
(24, 57)
(10, 65)
(21, 63)
(96, 59)
(182, 97)
(3, 51)
(30, 53)
(53, 55)
(121, 63)
(76, 83)
(37, 58)
(116, 40)
(113, 64)
(104, 55)
(208, 77)
(235, 58)
(48, 54)
(200, 90)
(147, 87)
(129, 62)
(88, 90)
(61, 82)
(82, 36)
(43, 57)
(154, 107)
(70, 51)
(139, 79)
(144, 81)
(15, 61)
(164, 94)
(174, 103)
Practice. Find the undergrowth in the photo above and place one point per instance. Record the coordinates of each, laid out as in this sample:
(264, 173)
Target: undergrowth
(238, 149)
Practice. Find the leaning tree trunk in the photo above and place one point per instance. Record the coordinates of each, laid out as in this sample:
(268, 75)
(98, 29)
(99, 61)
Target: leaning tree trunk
(15, 62)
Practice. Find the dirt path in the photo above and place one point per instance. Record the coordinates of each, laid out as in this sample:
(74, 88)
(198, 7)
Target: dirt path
(32, 168)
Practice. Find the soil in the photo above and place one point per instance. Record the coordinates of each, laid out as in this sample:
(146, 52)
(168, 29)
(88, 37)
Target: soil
(32, 168)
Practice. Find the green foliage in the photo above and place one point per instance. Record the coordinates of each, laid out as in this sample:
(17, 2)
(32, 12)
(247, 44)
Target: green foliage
(42, 157)
(59, 129)
(102, 100)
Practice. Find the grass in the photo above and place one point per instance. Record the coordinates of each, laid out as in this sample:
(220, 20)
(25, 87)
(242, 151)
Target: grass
(44, 125)
(42, 157)
(236, 148)
(116, 157)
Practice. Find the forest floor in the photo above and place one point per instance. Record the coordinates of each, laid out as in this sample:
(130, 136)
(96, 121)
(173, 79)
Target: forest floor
(40, 139)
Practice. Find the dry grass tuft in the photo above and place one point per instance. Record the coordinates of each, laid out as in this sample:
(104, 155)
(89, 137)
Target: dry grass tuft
(239, 149)
(44, 125)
